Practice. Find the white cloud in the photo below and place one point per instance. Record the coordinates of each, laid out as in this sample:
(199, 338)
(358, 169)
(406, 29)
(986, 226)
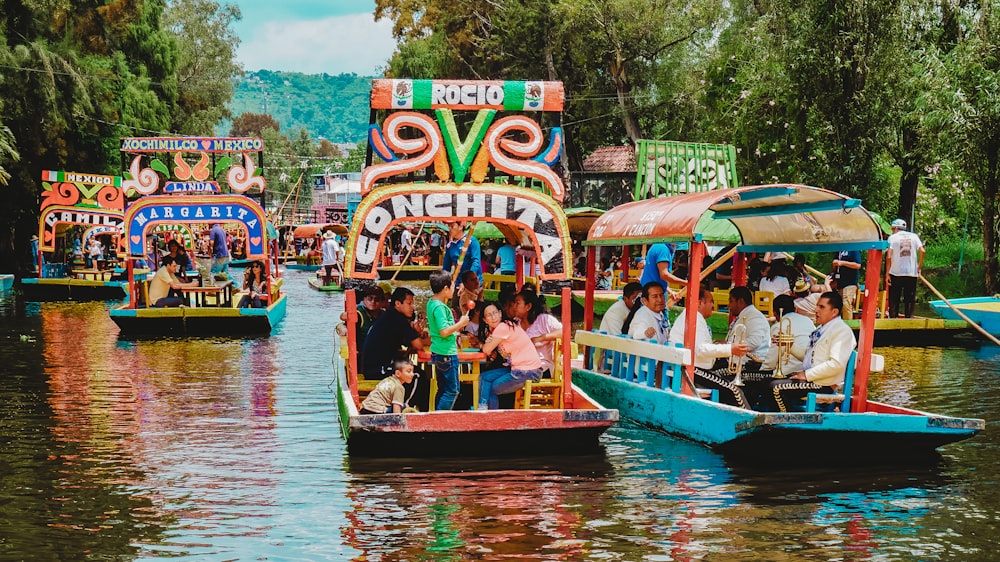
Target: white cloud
(350, 43)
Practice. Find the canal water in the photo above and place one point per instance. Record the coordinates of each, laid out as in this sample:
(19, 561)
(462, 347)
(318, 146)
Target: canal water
(222, 449)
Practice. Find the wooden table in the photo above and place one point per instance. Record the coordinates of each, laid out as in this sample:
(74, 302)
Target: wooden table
(466, 358)
(93, 274)
(222, 292)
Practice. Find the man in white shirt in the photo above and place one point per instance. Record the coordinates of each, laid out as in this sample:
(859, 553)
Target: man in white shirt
(825, 361)
(758, 333)
(903, 263)
(331, 252)
(650, 321)
(614, 318)
(407, 240)
(706, 352)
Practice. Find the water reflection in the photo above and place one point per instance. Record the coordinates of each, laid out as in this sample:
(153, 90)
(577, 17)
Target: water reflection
(211, 448)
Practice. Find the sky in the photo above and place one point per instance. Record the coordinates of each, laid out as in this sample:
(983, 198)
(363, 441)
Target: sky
(313, 36)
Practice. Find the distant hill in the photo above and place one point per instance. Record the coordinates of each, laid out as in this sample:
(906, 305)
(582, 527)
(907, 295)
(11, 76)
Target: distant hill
(333, 107)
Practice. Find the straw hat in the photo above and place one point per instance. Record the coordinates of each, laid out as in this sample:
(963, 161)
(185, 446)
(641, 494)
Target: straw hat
(328, 234)
(801, 286)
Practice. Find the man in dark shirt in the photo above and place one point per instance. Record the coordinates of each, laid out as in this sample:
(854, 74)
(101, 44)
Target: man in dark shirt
(392, 336)
(845, 275)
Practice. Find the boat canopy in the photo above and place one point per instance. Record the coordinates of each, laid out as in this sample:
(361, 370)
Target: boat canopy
(580, 219)
(759, 218)
(310, 230)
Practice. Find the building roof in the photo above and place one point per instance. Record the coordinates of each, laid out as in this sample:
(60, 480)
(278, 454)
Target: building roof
(611, 159)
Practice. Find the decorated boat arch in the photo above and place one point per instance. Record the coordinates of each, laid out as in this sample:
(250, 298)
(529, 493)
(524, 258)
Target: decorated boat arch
(184, 185)
(95, 204)
(495, 169)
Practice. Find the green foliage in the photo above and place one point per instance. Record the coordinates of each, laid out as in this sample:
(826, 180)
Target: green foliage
(333, 107)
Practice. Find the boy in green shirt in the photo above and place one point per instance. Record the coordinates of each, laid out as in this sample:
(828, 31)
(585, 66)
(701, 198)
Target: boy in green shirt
(444, 346)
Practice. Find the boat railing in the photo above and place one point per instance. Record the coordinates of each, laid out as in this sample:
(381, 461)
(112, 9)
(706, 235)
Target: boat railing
(636, 361)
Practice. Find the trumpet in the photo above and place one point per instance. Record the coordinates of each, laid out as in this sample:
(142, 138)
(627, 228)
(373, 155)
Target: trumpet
(784, 340)
(737, 335)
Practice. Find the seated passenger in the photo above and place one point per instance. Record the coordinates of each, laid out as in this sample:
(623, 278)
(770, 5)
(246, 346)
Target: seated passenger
(165, 288)
(254, 281)
(825, 361)
(389, 396)
(514, 345)
(650, 322)
(706, 352)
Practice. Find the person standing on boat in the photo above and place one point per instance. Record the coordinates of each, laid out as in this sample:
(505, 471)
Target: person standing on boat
(435, 249)
(845, 276)
(650, 321)
(825, 362)
(453, 252)
(614, 318)
(659, 262)
(707, 352)
(331, 255)
(513, 343)
(220, 250)
(903, 263)
(442, 327)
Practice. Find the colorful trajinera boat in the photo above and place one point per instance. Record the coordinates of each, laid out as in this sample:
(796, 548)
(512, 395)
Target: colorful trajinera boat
(984, 311)
(565, 419)
(191, 196)
(93, 203)
(793, 218)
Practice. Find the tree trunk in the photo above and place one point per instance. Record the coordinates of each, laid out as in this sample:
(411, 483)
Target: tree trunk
(624, 91)
(910, 180)
(991, 241)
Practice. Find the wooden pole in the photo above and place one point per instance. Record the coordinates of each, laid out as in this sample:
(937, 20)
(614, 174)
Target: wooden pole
(351, 306)
(465, 250)
(866, 335)
(567, 345)
(695, 256)
(960, 314)
(408, 252)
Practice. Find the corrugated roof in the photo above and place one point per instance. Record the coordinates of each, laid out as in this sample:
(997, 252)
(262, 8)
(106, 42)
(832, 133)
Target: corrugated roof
(611, 159)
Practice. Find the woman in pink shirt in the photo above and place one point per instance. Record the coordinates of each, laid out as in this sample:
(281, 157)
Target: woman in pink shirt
(515, 346)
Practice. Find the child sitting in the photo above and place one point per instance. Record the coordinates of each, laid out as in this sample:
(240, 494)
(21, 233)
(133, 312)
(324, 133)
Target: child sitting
(469, 290)
(389, 396)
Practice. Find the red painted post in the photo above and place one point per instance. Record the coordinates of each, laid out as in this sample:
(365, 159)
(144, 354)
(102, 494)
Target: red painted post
(351, 306)
(567, 334)
(695, 258)
(590, 285)
(519, 270)
(626, 264)
(863, 364)
(133, 292)
(739, 270)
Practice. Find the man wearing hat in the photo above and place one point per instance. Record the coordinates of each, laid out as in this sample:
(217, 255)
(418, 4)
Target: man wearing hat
(903, 262)
(331, 251)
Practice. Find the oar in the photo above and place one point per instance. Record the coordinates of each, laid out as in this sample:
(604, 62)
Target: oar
(961, 314)
(408, 252)
(716, 264)
(465, 250)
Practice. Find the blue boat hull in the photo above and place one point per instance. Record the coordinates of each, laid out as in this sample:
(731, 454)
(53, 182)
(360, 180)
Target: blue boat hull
(6, 282)
(989, 320)
(772, 438)
(64, 289)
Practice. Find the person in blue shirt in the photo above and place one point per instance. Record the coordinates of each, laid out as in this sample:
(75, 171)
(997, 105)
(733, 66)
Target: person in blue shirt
(658, 264)
(456, 241)
(505, 259)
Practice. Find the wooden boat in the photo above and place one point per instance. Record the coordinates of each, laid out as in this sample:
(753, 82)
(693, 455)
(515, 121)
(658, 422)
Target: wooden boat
(211, 308)
(317, 283)
(569, 421)
(763, 218)
(71, 199)
(407, 272)
(984, 311)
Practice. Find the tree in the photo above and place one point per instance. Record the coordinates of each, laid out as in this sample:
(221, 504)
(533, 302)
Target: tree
(253, 125)
(964, 113)
(206, 62)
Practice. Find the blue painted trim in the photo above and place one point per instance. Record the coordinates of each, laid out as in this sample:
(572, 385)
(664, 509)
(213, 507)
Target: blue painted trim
(816, 247)
(789, 209)
(763, 193)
